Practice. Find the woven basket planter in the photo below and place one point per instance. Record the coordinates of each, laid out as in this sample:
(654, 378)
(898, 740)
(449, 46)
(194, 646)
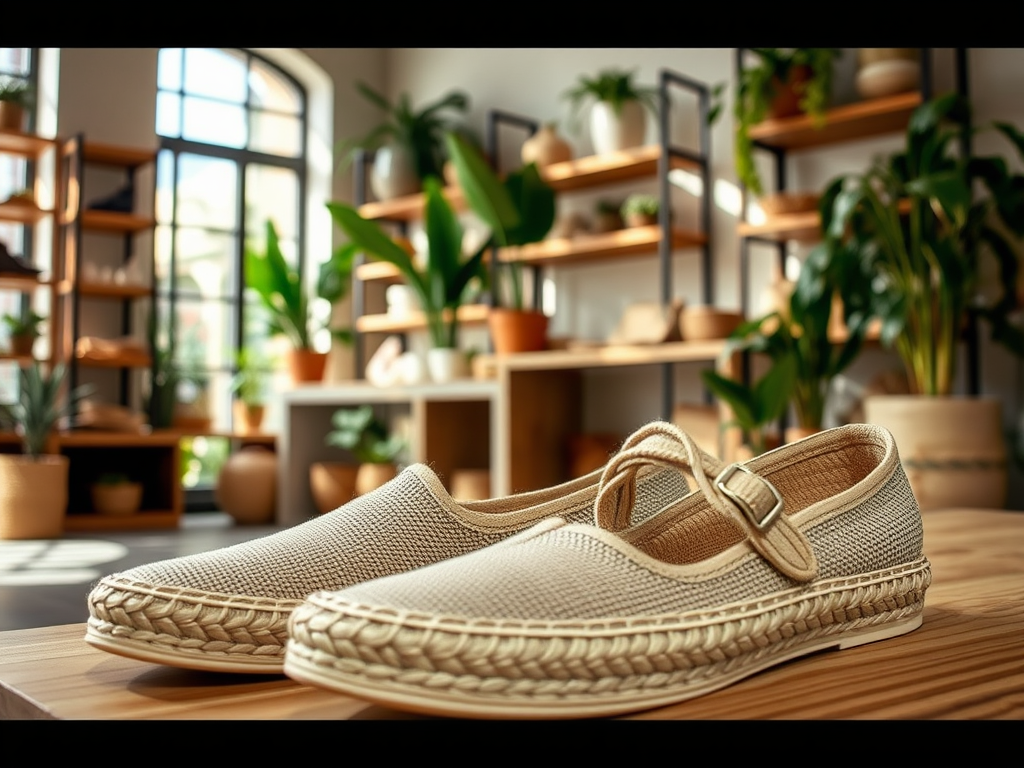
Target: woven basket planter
(33, 497)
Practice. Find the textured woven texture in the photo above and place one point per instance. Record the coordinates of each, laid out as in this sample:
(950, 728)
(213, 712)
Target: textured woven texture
(566, 611)
(228, 609)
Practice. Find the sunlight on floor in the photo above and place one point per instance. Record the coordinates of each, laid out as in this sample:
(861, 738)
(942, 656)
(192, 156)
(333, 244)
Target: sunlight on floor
(47, 562)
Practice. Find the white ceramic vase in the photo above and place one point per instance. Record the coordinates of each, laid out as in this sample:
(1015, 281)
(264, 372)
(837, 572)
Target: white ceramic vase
(446, 364)
(611, 132)
(394, 172)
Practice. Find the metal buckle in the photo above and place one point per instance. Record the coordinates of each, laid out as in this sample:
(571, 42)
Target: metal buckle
(761, 523)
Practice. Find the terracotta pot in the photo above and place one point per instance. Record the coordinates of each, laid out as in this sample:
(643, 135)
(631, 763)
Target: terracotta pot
(700, 323)
(952, 448)
(12, 116)
(787, 98)
(248, 418)
(370, 477)
(247, 486)
(119, 499)
(306, 366)
(546, 147)
(517, 330)
(22, 345)
(332, 484)
(640, 219)
(611, 132)
(33, 497)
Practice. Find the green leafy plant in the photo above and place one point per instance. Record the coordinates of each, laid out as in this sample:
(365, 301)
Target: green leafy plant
(281, 290)
(797, 340)
(919, 225)
(519, 210)
(759, 84)
(40, 406)
(164, 376)
(640, 204)
(358, 430)
(15, 91)
(27, 323)
(758, 405)
(613, 86)
(420, 131)
(250, 380)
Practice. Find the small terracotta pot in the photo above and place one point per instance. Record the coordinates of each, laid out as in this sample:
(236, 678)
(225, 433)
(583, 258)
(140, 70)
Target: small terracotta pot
(306, 366)
(22, 345)
(517, 330)
(370, 477)
(12, 116)
(120, 499)
(640, 219)
(332, 483)
(787, 99)
(546, 147)
(248, 418)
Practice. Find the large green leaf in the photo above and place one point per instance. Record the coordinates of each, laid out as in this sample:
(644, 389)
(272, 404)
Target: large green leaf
(485, 194)
(279, 288)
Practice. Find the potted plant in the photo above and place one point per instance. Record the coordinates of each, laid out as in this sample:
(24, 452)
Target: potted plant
(34, 484)
(408, 144)
(923, 223)
(797, 339)
(23, 330)
(248, 386)
(783, 82)
(114, 493)
(755, 407)
(608, 216)
(640, 210)
(284, 295)
(192, 395)
(15, 99)
(359, 431)
(618, 119)
(441, 284)
(518, 210)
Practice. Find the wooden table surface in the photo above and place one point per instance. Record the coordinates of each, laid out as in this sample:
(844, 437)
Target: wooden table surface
(965, 662)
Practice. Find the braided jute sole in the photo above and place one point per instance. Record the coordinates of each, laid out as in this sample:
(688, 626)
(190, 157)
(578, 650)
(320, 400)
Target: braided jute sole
(507, 669)
(189, 628)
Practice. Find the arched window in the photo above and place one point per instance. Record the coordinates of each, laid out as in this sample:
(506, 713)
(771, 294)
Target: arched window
(232, 128)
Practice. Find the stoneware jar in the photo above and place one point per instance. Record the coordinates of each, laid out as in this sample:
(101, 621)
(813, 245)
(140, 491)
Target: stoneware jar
(546, 147)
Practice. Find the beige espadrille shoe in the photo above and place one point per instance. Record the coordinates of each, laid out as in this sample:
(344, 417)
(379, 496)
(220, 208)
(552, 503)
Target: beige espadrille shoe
(815, 545)
(227, 610)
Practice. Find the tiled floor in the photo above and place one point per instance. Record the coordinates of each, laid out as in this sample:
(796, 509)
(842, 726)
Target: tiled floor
(45, 583)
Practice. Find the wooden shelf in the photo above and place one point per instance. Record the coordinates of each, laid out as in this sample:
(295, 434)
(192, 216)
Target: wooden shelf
(113, 221)
(468, 314)
(24, 144)
(17, 282)
(804, 226)
(22, 213)
(107, 290)
(862, 119)
(611, 356)
(408, 207)
(588, 247)
(120, 361)
(378, 270)
(109, 154)
(582, 173)
(21, 360)
(596, 170)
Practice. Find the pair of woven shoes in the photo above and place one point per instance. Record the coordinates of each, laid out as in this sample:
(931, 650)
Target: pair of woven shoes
(663, 576)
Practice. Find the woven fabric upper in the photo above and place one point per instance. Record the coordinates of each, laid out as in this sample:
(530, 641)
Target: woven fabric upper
(409, 522)
(574, 572)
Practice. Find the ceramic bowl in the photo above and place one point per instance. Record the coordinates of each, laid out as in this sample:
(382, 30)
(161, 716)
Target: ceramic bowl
(885, 78)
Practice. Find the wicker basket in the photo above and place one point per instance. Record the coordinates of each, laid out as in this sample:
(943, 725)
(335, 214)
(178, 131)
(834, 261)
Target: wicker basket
(33, 497)
(779, 203)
